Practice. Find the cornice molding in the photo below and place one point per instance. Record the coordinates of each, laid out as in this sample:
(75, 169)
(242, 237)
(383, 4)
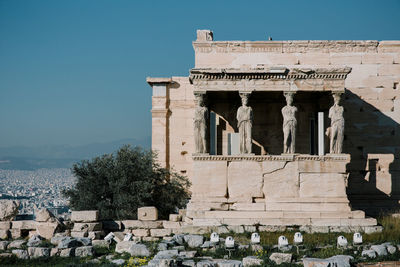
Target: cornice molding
(283, 157)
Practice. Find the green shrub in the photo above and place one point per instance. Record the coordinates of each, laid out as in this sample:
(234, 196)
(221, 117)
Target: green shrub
(117, 184)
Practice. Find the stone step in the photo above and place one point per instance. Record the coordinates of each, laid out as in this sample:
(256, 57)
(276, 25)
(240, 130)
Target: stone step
(285, 221)
(277, 215)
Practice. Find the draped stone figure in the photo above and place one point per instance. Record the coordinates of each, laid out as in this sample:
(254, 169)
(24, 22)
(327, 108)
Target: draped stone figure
(337, 125)
(200, 124)
(244, 117)
(289, 124)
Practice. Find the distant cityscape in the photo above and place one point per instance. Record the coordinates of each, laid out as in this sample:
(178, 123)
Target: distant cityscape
(37, 189)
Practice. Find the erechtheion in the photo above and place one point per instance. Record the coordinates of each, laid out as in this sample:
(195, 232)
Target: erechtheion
(284, 132)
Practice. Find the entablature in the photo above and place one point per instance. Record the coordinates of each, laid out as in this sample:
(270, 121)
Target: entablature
(269, 79)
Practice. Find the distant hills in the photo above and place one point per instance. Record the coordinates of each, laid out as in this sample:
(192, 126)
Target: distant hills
(59, 156)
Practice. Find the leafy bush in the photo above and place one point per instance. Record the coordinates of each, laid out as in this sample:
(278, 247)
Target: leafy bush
(117, 184)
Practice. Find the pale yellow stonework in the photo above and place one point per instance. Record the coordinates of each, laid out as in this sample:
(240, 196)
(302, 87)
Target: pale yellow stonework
(297, 189)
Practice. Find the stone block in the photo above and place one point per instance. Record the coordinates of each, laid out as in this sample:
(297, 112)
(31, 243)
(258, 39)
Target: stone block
(35, 252)
(328, 184)
(8, 209)
(135, 224)
(248, 206)
(209, 179)
(5, 225)
(84, 251)
(46, 229)
(96, 226)
(245, 180)
(345, 58)
(85, 216)
(160, 232)
(389, 69)
(15, 233)
(24, 225)
(4, 234)
(67, 252)
(96, 235)
(175, 217)
(147, 214)
(280, 179)
(377, 58)
(100, 243)
(169, 224)
(313, 58)
(141, 232)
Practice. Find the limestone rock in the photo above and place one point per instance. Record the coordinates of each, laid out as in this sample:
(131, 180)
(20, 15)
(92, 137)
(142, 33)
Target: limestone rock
(280, 258)
(16, 244)
(187, 254)
(96, 226)
(139, 250)
(67, 252)
(100, 243)
(166, 254)
(85, 216)
(251, 261)
(4, 245)
(229, 263)
(54, 252)
(179, 239)
(21, 253)
(4, 234)
(194, 241)
(379, 249)
(34, 241)
(67, 242)
(369, 253)
(391, 249)
(24, 225)
(44, 215)
(8, 209)
(339, 261)
(5, 225)
(118, 262)
(5, 255)
(84, 251)
(162, 246)
(189, 263)
(147, 214)
(47, 229)
(206, 263)
(85, 241)
(35, 252)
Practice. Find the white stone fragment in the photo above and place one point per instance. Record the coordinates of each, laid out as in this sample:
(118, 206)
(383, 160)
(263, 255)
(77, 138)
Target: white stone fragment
(229, 242)
(342, 241)
(255, 238)
(282, 241)
(298, 238)
(214, 238)
(357, 238)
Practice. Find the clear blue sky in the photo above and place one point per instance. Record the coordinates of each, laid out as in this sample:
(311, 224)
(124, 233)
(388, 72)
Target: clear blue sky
(73, 72)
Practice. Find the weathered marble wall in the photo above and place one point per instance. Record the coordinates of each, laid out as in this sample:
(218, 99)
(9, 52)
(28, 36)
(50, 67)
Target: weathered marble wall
(371, 102)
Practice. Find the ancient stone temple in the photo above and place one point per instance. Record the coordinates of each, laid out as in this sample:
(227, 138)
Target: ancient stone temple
(284, 132)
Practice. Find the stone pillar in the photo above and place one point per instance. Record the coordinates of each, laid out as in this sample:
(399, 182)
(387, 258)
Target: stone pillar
(321, 141)
(159, 121)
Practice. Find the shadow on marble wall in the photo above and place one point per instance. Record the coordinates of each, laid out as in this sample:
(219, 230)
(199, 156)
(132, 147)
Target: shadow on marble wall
(373, 141)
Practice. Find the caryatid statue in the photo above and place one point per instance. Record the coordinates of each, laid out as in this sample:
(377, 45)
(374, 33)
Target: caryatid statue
(337, 125)
(244, 117)
(289, 124)
(200, 124)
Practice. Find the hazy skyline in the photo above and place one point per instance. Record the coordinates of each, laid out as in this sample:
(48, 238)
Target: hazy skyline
(74, 72)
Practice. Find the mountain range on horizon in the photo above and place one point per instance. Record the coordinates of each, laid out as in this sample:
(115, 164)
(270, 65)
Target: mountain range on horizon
(60, 156)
